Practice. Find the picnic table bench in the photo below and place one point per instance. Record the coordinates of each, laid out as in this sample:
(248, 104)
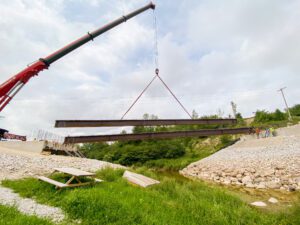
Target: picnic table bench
(139, 179)
(75, 174)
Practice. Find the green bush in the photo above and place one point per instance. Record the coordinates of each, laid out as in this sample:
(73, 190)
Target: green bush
(225, 140)
(278, 115)
(295, 110)
(262, 116)
(128, 153)
(140, 152)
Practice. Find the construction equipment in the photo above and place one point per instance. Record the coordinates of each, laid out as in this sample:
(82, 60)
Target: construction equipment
(11, 87)
(158, 122)
(4, 134)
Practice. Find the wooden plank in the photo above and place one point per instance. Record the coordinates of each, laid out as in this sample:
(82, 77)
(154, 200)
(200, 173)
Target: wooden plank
(158, 122)
(74, 172)
(77, 154)
(80, 184)
(68, 153)
(81, 154)
(54, 182)
(139, 179)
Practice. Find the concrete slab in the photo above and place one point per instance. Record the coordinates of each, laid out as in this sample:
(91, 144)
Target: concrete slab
(44, 147)
(26, 146)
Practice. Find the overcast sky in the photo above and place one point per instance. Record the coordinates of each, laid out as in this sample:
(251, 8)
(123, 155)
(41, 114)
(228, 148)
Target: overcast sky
(210, 53)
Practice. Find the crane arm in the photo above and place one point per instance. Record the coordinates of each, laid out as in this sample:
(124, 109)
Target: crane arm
(12, 86)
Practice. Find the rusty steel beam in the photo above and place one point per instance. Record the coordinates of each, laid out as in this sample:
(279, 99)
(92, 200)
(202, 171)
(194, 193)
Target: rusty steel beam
(159, 122)
(159, 135)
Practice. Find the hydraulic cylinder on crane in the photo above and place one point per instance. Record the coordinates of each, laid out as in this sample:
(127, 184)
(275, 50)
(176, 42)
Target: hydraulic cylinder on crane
(12, 86)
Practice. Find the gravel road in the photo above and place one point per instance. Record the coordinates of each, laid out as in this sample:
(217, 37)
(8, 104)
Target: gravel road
(264, 163)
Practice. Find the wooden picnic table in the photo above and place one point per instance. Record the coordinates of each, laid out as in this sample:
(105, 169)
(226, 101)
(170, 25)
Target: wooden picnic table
(75, 174)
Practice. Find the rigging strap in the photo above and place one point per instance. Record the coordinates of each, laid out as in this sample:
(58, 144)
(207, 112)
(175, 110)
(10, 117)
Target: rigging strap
(156, 74)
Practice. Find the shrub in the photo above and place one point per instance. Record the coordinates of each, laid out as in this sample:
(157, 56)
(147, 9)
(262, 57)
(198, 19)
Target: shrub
(264, 116)
(225, 140)
(128, 153)
(278, 115)
(295, 110)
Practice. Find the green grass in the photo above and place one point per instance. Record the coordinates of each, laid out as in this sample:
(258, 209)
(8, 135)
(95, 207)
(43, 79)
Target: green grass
(192, 155)
(175, 201)
(11, 216)
(179, 163)
(276, 124)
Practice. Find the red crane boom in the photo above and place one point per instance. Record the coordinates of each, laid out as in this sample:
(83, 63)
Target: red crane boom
(12, 86)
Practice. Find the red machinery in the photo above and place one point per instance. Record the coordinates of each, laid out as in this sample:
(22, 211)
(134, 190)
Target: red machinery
(12, 86)
(8, 136)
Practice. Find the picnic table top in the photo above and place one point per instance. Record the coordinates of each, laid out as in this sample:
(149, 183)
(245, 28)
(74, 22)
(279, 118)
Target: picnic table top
(74, 172)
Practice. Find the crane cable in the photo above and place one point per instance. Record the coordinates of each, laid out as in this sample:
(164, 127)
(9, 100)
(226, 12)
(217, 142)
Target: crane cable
(156, 62)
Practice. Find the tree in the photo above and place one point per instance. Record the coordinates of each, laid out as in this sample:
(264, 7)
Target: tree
(239, 116)
(295, 110)
(220, 113)
(195, 115)
(146, 116)
(278, 115)
(262, 116)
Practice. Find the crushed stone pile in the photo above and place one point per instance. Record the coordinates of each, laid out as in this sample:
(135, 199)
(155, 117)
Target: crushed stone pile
(266, 163)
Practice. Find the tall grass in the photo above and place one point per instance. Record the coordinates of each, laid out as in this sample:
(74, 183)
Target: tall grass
(173, 201)
(11, 216)
(192, 154)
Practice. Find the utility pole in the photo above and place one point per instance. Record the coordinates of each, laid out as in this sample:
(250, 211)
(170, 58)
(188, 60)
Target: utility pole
(287, 108)
(233, 105)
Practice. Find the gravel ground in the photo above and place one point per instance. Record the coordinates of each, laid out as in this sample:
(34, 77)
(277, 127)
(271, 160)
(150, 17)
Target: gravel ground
(264, 163)
(17, 164)
(29, 206)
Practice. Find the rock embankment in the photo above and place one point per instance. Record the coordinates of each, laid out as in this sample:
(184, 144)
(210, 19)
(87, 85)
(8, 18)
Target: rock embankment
(272, 163)
(17, 164)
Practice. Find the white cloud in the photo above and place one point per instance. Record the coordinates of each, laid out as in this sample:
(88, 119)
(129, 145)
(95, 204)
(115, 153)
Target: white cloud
(213, 52)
